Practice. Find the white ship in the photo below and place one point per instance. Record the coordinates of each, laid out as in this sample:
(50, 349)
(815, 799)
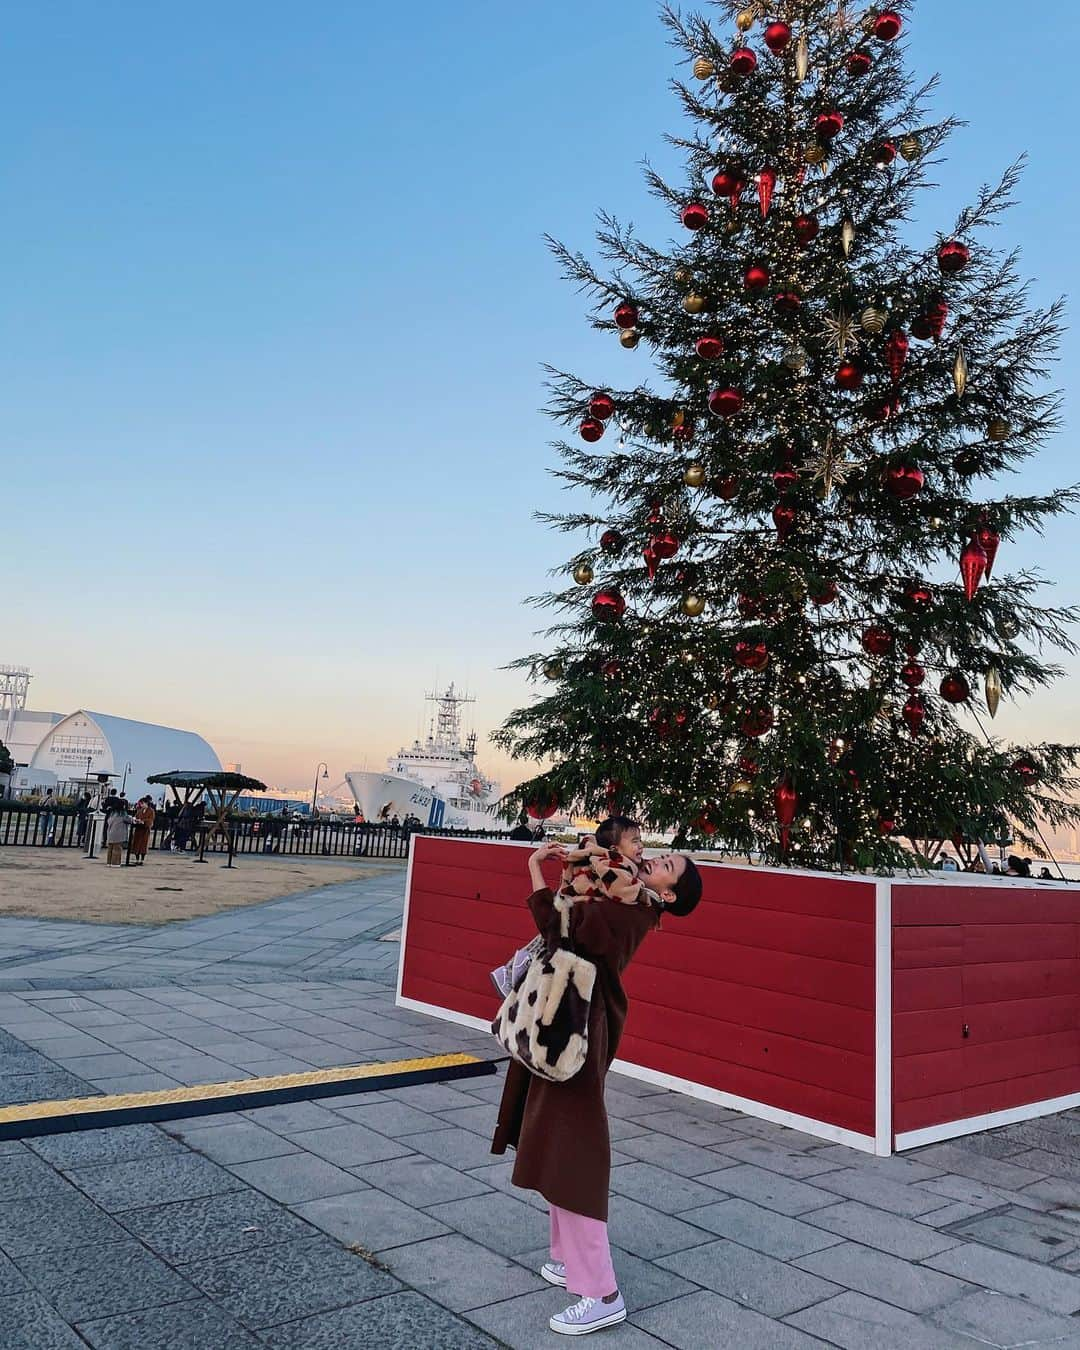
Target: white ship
(437, 780)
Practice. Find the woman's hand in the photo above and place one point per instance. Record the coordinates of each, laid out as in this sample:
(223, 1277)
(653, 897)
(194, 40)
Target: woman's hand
(551, 849)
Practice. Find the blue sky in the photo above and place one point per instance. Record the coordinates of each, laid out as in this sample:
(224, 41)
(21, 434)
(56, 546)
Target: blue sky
(274, 310)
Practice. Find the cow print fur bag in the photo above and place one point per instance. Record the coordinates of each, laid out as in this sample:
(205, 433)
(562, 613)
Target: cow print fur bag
(544, 1022)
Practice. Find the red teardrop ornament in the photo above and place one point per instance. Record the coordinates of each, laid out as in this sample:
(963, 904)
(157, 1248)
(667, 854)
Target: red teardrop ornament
(896, 353)
(784, 518)
(786, 800)
(973, 562)
(666, 545)
(766, 187)
(989, 542)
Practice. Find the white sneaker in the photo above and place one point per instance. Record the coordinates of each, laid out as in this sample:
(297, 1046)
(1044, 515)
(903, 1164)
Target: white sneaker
(554, 1272)
(589, 1314)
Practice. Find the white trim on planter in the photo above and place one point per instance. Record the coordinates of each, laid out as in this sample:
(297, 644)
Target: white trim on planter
(883, 1059)
(833, 1133)
(819, 1128)
(462, 1019)
(953, 1129)
(405, 918)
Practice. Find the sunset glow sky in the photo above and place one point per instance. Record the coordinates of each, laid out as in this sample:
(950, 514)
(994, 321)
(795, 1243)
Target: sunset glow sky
(275, 306)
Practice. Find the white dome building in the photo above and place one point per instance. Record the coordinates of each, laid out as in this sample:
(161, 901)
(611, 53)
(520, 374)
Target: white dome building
(84, 745)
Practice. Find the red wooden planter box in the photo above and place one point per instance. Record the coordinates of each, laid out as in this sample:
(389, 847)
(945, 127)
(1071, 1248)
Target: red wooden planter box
(878, 1013)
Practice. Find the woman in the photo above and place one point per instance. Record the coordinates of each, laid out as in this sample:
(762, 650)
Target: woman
(560, 1130)
(117, 823)
(144, 824)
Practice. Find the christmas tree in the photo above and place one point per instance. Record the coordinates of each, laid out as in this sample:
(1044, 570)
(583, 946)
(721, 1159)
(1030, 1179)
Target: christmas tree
(791, 621)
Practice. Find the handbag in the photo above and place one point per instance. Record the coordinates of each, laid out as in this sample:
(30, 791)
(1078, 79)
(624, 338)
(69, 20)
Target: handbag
(544, 1022)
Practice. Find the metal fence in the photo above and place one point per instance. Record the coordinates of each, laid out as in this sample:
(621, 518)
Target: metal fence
(22, 826)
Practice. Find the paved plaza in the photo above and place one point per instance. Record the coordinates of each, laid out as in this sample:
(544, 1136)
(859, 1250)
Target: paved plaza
(382, 1219)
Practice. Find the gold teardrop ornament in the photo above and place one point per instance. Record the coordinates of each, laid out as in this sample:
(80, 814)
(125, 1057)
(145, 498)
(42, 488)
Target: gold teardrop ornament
(802, 59)
(847, 236)
(960, 374)
(993, 690)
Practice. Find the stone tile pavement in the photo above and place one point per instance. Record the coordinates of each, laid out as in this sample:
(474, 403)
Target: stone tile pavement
(382, 1219)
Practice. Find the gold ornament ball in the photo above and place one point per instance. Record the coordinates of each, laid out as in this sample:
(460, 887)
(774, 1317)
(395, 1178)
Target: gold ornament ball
(583, 574)
(998, 430)
(683, 276)
(795, 358)
(694, 303)
(873, 320)
(742, 787)
(695, 476)
(703, 68)
(553, 670)
(815, 154)
(1007, 627)
(911, 148)
(693, 606)
(745, 20)
(629, 338)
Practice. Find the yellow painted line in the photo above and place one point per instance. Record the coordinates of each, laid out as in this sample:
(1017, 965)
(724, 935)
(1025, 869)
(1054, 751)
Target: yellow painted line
(244, 1087)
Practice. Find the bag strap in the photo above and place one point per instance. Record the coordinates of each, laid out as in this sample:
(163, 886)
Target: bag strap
(563, 907)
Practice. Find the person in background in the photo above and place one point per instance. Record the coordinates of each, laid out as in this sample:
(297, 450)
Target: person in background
(48, 817)
(144, 824)
(82, 818)
(522, 832)
(182, 830)
(1046, 875)
(949, 863)
(1018, 867)
(117, 824)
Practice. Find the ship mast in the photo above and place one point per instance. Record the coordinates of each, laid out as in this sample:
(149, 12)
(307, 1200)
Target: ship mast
(14, 685)
(446, 723)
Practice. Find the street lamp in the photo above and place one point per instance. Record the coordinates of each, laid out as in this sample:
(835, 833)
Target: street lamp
(315, 789)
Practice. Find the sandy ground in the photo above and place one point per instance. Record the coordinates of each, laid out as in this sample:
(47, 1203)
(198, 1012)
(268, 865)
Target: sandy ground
(46, 883)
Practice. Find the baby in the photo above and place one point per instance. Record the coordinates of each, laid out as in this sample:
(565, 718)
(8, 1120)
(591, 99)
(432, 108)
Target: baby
(606, 865)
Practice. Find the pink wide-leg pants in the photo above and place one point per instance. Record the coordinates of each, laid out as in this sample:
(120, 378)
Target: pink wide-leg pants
(582, 1246)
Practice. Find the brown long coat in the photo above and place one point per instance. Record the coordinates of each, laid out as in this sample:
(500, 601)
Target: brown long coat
(560, 1130)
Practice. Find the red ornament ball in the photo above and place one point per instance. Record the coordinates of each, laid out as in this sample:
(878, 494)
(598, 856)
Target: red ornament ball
(749, 767)
(788, 302)
(859, 63)
(886, 825)
(953, 256)
(730, 183)
(591, 429)
(758, 722)
(666, 545)
(904, 481)
(877, 640)
(611, 670)
(785, 480)
(608, 605)
(757, 277)
(913, 674)
(826, 594)
(885, 154)
(829, 125)
(849, 376)
(955, 688)
(601, 406)
(751, 655)
(807, 229)
(888, 26)
(777, 37)
(710, 347)
(726, 402)
(627, 315)
(613, 541)
(1027, 770)
(743, 61)
(784, 518)
(727, 489)
(918, 596)
(543, 806)
(695, 216)
(914, 713)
